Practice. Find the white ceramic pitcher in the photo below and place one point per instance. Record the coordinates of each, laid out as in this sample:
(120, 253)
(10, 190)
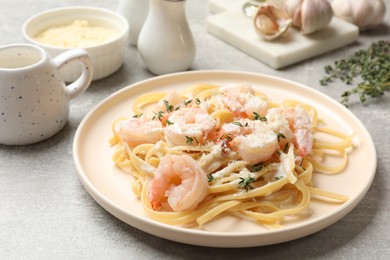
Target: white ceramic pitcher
(165, 43)
(34, 101)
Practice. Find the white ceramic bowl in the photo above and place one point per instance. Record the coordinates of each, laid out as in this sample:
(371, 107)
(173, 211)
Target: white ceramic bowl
(106, 57)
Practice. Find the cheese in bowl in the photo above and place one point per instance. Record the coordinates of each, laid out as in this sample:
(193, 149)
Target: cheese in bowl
(78, 33)
(101, 32)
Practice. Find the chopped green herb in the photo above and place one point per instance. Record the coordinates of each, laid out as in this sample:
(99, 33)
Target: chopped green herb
(190, 140)
(256, 167)
(227, 137)
(187, 102)
(210, 177)
(276, 178)
(280, 135)
(137, 116)
(373, 67)
(300, 164)
(259, 117)
(197, 101)
(169, 122)
(158, 115)
(285, 149)
(237, 123)
(246, 182)
(168, 106)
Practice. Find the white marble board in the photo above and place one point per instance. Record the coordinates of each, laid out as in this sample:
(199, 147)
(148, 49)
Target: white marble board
(229, 23)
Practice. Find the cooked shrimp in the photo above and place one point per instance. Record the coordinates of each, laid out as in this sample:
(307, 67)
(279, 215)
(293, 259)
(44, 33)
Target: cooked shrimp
(189, 126)
(135, 131)
(254, 141)
(181, 180)
(295, 124)
(170, 102)
(241, 100)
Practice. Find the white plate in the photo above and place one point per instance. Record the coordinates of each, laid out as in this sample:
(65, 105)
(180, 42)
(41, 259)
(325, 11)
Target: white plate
(111, 188)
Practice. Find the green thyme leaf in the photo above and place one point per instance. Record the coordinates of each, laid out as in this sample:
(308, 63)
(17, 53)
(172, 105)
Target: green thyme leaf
(237, 123)
(280, 136)
(168, 106)
(159, 115)
(285, 149)
(259, 117)
(256, 167)
(246, 182)
(187, 102)
(137, 116)
(371, 65)
(228, 137)
(190, 140)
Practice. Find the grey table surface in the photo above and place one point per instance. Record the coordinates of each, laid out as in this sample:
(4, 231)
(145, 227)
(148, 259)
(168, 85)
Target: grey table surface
(45, 212)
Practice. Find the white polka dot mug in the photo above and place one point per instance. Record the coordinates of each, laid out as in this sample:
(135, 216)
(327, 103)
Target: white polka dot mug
(34, 100)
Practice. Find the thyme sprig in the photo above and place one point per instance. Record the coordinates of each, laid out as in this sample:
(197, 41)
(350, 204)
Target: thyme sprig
(168, 106)
(246, 182)
(259, 117)
(190, 140)
(373, 67)
(210, 178)
(256, 167)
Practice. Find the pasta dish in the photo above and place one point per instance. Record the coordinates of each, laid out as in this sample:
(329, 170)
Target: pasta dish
(211, 151)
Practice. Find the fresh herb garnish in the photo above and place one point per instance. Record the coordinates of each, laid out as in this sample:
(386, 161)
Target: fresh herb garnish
(190, 140)
(259, 117)
(239, 124)
(159, 115)
(227, 137)
(280, 135)
(137, 116)
(373, 67)
(256, 167)
(187, 102)
(197, 101)
(168, 106)
(168, 122)
(246, 182)
(285, 149)
(210, 177)
(301, 163)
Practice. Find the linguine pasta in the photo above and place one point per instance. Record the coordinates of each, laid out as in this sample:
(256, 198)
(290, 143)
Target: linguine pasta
(247, 156)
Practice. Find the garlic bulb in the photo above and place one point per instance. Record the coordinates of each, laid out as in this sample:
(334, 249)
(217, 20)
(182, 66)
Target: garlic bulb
(365, 14)
(309, 15)
(271, 22)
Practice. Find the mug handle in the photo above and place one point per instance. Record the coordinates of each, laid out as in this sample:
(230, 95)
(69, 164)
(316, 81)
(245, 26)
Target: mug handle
(81, 56)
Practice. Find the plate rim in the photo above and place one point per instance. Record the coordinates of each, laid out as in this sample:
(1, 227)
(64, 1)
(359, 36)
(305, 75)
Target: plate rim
(149, 226)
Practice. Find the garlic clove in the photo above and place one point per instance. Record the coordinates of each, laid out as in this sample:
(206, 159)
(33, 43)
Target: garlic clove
(366, 14)
(293, 10)
(342, 9)
(271, 22)
(309, 15)
(315, 15)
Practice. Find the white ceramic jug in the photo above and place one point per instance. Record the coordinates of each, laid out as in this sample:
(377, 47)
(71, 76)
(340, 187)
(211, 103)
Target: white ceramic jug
(165, 43)
(135, 11)
(34, 101)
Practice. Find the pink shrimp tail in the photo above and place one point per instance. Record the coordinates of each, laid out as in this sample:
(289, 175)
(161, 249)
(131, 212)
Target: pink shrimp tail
(304, 142)
(155, 205)
(154, 195)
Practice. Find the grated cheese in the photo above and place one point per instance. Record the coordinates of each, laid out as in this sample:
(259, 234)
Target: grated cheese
(79, 33)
